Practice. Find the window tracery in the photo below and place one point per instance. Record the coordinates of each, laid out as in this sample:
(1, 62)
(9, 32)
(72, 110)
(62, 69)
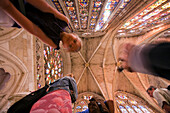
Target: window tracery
(129, 103)
(82, 104)
(53, 64)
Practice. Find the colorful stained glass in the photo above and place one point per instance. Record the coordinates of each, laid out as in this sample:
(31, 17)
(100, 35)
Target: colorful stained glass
(109, 8)
(136, 109)
(53, 64)
(82, 102)
(149, 16)
(130, 109)
(78, 107)
(120, 101)
(69, 4)
(97, 4)
(132, 104)
(83, 4)
(122, 97)
(57, 5)
(38, 76)
(123, 110)
(143, 109)
(132, 101)
(39, 86)
(83, 10)
(84, 108)
(87, 97)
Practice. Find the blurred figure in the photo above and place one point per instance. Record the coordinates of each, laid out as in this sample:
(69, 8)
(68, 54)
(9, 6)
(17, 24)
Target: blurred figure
(162, 96)
(54, 98)
(41, 20)
(59, 97)
(150, 59)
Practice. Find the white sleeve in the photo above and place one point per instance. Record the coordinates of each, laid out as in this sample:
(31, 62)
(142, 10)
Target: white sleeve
(159, 97)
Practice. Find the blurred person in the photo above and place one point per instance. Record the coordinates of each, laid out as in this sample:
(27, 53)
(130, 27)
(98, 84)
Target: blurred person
(59, 97)
(53, 98)
(162, 96)
(41, 20)
(150, 59)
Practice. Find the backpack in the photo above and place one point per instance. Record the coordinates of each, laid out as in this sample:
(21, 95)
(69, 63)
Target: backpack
(97, 105)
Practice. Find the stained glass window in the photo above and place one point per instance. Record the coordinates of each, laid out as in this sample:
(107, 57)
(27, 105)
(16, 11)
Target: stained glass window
(82, 105)
(127, 102)
(85, 107)
(132, 101)
(143, 109)
(120, 101)
(109, 8)
(39, 65)
(122, 109)
(129, 109)
(71, 9)
(90, 14)
(153, 15)
(83, 10)
(82, 102)
(122, 96)
(136, 109)
(53, 64)
(87, 97)
(57, 5)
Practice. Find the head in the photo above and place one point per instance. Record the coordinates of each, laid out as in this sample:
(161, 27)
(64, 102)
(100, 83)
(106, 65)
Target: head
(150, 90)
(71, 42)
(122, 64)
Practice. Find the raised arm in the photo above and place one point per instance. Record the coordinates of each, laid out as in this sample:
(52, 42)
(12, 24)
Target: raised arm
(45, 7)
(24, 22)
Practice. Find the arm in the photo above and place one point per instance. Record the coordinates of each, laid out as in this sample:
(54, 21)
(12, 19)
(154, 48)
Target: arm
(45, 7)
(9, 8)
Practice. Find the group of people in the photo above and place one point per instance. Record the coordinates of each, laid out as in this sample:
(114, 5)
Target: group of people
(48, 24)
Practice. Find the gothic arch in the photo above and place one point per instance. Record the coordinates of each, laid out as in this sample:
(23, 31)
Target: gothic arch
(19, 73)
(9, 33)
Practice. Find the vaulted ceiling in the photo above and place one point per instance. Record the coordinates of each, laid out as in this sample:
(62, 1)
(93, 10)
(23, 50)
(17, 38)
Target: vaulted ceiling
(100, 24)
(91, 17)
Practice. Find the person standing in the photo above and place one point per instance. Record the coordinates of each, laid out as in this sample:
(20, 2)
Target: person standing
(162, 96)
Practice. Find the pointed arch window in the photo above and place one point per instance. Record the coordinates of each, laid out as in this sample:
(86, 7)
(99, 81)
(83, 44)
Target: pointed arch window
(129, 103)
(53, 64)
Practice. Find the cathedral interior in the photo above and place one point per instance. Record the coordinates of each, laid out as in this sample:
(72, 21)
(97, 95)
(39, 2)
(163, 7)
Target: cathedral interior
(26, 63)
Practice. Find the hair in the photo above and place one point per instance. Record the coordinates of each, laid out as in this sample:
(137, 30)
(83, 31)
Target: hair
(168, 87)
(120, 69)
(150, 88)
